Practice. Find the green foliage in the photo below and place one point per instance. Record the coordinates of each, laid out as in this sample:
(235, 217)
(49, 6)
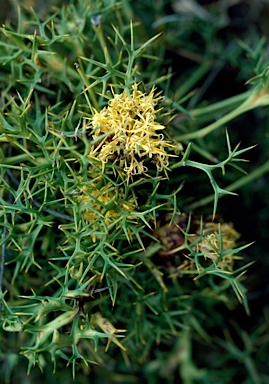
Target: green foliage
(90, 275)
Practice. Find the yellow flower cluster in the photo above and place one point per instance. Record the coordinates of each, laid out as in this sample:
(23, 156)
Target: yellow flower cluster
(210, 245)
(103, 207)
(126, 133)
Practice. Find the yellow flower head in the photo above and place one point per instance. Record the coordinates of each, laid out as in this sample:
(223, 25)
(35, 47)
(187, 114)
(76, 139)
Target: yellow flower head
(210, 245)
(128, 133)
(103, 207)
